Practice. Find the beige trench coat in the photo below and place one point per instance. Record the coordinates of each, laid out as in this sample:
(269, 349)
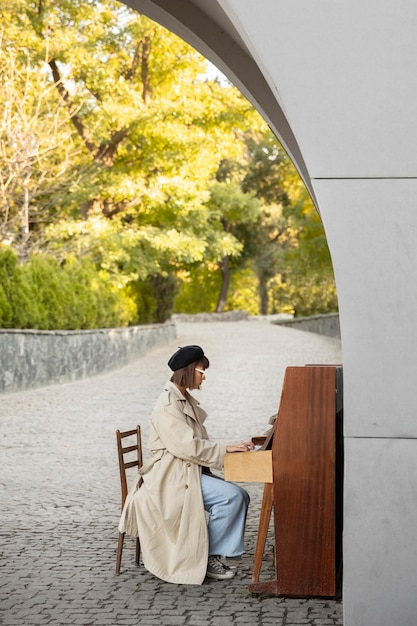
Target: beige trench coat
(167, 510)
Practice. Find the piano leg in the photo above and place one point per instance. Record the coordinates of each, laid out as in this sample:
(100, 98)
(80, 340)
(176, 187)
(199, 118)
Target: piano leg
(264, 519)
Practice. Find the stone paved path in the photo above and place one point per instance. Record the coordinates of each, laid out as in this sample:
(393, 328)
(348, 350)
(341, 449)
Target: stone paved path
(60, 493)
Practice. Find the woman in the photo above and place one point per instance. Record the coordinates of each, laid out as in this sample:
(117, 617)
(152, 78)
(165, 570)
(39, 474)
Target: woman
(168, 508)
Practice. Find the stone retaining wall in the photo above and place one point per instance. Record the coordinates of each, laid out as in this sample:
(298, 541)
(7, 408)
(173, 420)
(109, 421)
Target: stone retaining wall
(227, 316)
(328, 324)
(34, 358)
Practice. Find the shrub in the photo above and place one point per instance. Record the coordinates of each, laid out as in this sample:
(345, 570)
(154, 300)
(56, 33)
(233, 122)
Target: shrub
(17, 307)
(42, 294)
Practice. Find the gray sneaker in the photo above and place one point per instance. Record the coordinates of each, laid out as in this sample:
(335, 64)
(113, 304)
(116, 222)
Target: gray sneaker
(217, 570)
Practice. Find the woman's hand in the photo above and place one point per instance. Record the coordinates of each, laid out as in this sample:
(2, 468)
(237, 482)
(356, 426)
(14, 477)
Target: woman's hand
(240, 447)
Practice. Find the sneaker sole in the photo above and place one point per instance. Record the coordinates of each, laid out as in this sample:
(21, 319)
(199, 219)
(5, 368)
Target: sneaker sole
(227, 576)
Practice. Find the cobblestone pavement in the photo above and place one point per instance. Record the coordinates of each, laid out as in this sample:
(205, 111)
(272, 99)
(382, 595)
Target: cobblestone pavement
(61, 496)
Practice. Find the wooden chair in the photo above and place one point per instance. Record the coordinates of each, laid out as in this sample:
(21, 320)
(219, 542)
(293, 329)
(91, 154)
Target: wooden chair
(130, 455)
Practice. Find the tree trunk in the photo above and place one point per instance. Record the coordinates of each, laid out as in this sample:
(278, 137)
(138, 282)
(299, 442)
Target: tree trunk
(263, 293)
(147, 88)
(225, 271)
(105, 153)
(24, 221)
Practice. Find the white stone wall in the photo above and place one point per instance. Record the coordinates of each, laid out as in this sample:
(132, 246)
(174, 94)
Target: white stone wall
(33, 358)
(343, 73)
(327, 325)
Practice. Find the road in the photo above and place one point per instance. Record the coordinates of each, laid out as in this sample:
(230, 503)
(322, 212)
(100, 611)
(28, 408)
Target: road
(61, 494)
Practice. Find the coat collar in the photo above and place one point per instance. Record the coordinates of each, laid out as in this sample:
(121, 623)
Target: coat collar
(172, 388)
(191, 405)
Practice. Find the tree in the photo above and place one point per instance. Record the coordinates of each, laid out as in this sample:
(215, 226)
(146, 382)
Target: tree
(36, 148)
(267, 172)
(307, 284)
(123, 152)
(148, 149)
(292, 258)
(234, 215)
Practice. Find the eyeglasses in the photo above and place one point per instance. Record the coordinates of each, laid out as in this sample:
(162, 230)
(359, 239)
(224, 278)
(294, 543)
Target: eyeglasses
(200, 371)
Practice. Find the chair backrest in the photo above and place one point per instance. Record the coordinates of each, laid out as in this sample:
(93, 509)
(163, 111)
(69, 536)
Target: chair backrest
(129, 448)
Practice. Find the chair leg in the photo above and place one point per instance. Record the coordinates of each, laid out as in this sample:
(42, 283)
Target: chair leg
(137, 556)
(119, 552)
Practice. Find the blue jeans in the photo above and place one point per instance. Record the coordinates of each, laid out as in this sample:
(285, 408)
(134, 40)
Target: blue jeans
(227, 505)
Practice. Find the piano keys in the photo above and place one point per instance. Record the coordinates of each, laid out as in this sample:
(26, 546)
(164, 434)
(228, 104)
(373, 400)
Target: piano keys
(302, 472)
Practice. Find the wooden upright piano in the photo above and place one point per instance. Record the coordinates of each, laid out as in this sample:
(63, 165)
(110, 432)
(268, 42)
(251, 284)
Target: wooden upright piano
(301, 463)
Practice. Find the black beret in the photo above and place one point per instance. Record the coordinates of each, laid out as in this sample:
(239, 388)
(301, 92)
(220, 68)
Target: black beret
(184, 356)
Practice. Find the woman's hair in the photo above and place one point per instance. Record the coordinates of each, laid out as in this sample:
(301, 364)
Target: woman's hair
(184, 377)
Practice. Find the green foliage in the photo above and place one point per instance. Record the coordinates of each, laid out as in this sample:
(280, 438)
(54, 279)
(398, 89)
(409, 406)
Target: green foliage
(37, 148)
(233, 215)
(268, 166)
(18, 309)
(41, 294)
(306, 283)
(49, 291)
(199, 289)
(141, 293)
(6, 310)
(303, 295)
(164, 289)
(153, 297)
(130, 180)
(244, 292)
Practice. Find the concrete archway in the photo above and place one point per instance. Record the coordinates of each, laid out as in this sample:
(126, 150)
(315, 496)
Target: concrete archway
(335, 81)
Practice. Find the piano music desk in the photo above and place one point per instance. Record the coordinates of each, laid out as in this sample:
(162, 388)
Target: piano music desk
(248, 467)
